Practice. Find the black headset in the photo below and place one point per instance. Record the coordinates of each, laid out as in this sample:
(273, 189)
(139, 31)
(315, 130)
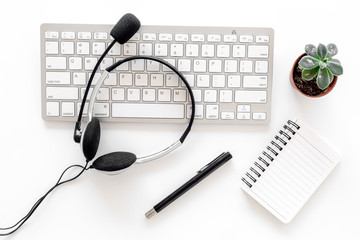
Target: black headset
(89, 137)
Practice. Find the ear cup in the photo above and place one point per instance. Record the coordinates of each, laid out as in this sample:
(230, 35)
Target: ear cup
(91, 139)
(114, 161)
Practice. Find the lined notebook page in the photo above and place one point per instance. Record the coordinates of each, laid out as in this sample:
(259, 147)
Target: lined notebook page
(289, 171)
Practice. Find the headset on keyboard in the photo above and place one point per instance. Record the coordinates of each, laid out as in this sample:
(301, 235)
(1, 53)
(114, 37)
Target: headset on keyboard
(229, 70)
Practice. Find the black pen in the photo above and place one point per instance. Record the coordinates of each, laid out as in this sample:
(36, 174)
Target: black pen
(201, 174)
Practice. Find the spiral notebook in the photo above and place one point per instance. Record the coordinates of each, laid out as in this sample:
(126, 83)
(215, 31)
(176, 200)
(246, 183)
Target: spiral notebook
(289, 170)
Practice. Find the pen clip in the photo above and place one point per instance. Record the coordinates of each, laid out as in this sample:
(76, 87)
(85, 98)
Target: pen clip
(210, 163)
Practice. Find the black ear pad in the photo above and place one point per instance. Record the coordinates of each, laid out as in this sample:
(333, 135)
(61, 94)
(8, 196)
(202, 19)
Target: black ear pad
(114, 161)
(125, 28)
(91, 139)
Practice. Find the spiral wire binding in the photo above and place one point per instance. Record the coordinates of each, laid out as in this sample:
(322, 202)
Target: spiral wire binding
(277, 146)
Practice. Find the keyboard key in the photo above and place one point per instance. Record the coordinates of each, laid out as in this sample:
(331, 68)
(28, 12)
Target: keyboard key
(79, 78)
(203, 81)
(230, 38)
(133, 110)
(52, 109)
(133, 94)
(165, 37)
(68, 35)
(141, 79)
(83, 48)
(180, 95)
(250, 96)
(181, 37)
(190, 78)
(255, 82)
(199, 65)
(234, 81)
(215, 66)
(197, 37)
(101, 109)
(223, 51)
(228, 115)
(149, 36)
(138, 65)
(62, 93)
(226, 96)
(246, 66)
(230, 66)
(243, 108)
(51, 47)
(176, 50)
(115, 50)
(126, 79)
(68, 109)
(192, 50)
(118, 94)
(148, 95)
(172, 80)
(106, 62)
(161, 50)
(199, 111)
(255, 51)
(207, 50)
(197, 95)
(184, 65)
(145, 49)
(136, 37)
(246, 38)
(243, 116)
(58, 78)
(100, 36)
(84, 35)
(214, 38)
(261, 66)
(218, 81)
(51, 35)
(111, 79)
(238, 51)
(122, 67)
(212, 112)
(75, 63)
(152, 66)
(90, 63)
(130, 49)
(67, 48)
(262, 39)
(259, 116)
(164, 95)
(210, 96)
(55, 63)
(98, 48)
(157, 80)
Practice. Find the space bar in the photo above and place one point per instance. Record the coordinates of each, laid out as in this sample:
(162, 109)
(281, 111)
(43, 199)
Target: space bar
(140, 110)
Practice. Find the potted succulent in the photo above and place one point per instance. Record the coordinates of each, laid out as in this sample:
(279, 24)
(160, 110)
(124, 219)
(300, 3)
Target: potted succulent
(314, 73)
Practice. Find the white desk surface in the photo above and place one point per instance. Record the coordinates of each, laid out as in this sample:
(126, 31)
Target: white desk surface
(97, 206)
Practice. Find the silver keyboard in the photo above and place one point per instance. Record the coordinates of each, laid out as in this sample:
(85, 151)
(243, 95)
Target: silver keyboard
(230, 70)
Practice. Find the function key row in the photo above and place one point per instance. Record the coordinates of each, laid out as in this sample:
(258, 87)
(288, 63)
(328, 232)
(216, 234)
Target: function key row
(183, 37)
(180, 37)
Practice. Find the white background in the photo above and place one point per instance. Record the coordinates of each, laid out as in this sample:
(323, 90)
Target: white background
(97, 206)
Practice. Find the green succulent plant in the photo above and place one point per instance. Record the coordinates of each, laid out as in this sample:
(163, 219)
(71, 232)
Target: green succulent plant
(319, 64)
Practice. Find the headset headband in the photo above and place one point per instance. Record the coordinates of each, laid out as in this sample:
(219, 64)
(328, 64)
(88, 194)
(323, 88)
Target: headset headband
(191, 120)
